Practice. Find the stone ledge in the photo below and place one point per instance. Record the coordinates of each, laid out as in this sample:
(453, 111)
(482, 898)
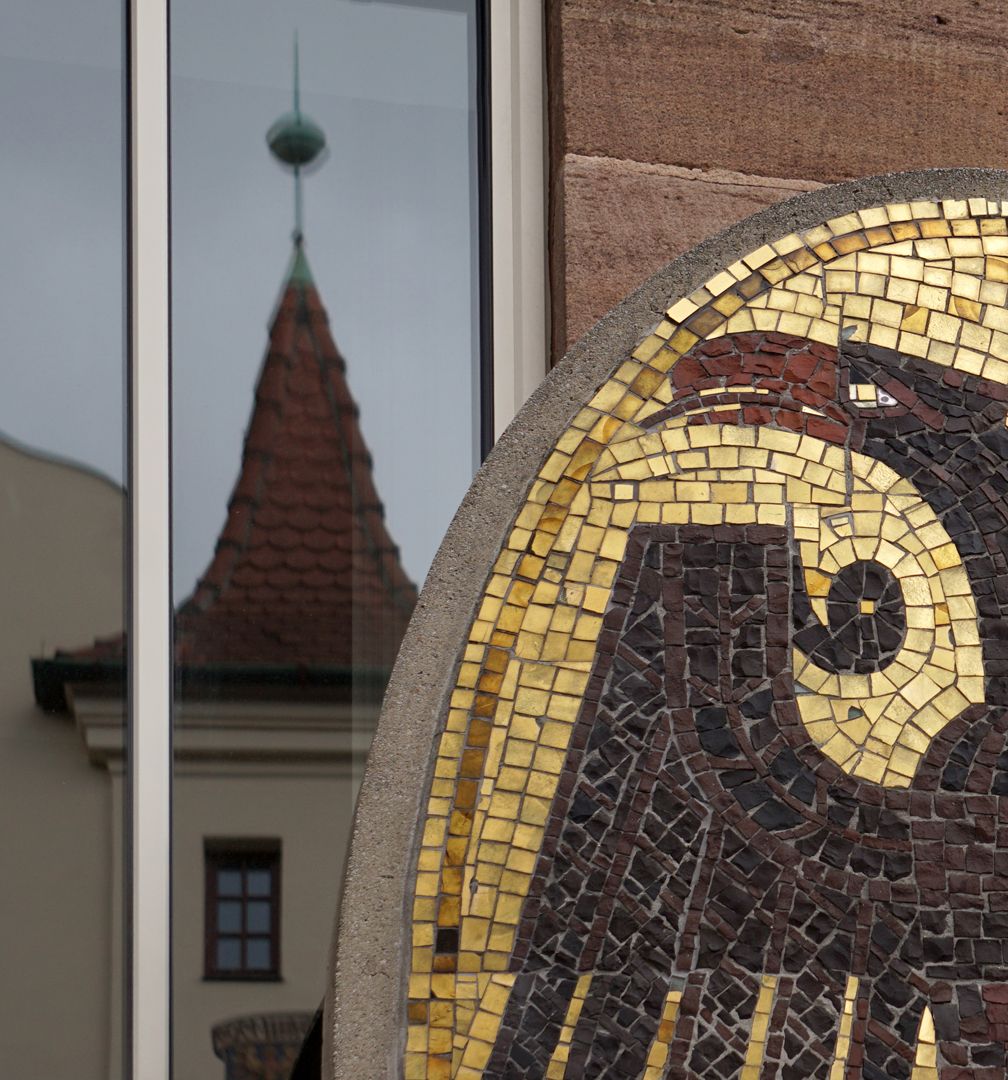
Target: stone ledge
(803, 89)
(623, 220)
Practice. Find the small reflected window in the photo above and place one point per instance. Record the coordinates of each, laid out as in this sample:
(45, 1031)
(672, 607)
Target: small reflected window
(242, 909)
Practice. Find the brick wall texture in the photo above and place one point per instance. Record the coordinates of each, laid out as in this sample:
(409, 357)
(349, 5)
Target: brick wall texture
(672, 119)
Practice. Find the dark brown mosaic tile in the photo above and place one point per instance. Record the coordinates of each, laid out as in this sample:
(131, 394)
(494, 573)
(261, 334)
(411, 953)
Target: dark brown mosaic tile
(722, 786)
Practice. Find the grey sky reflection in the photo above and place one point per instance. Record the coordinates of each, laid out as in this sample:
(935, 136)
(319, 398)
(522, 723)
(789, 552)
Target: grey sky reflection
(388, 236)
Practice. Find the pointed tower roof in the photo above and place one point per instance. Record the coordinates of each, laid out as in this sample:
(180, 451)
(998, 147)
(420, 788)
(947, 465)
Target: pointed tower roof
(304, 573)
(305, 587)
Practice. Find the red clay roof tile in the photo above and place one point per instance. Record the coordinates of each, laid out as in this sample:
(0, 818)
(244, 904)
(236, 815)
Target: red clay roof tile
(305, 572)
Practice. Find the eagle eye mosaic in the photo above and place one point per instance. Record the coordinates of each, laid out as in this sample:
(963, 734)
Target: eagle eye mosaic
(722, 788)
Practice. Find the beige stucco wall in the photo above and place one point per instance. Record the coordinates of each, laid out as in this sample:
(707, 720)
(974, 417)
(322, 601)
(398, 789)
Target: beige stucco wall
(310, 810)
(61, 559)
(61, 845)
(282, 770)
(672, 119)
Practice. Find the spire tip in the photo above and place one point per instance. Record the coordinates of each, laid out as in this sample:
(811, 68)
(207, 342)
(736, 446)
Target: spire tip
(296, 140)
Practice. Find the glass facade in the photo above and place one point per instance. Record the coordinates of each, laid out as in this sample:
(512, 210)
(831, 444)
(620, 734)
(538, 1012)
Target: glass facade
(330, 390)
(327, 419)
(62, 507)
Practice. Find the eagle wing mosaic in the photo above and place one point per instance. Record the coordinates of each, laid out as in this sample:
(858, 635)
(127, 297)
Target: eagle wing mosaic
(722, 790)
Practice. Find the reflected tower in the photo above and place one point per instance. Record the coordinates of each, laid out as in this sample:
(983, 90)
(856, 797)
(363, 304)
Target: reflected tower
(282, 653)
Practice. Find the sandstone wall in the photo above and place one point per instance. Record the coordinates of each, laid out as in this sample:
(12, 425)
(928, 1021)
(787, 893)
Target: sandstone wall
(672, 119)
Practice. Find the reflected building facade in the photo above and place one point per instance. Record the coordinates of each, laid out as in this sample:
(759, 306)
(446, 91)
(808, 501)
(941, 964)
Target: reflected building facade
(62, 552)
(282, 653)
(284, 644)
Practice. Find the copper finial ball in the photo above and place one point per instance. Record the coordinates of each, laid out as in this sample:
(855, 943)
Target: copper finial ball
(295, 139)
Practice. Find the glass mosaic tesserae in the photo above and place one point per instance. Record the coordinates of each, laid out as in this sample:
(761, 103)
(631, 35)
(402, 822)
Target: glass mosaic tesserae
(722, 789)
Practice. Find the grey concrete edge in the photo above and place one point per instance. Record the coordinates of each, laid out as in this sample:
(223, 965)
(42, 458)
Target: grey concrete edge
(370, 954)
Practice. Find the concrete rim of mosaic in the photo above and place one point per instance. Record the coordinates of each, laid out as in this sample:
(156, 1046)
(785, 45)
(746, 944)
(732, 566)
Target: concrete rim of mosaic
(370, 957)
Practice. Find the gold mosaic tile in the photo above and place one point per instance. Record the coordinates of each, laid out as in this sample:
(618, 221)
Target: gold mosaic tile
(926, 1058)
(927, 280)
(658, 1053)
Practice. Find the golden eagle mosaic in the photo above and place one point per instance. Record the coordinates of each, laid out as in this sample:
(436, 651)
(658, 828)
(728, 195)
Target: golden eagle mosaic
(722, 789)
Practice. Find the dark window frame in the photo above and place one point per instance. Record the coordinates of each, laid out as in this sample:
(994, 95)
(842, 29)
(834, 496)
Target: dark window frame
(242, 855)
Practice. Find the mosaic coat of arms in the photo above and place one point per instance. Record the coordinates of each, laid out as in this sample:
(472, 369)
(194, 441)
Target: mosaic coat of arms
(722, 790)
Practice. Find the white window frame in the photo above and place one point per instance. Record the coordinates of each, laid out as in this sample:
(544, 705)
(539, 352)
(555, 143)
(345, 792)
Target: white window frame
(520, 344)
(519, 183)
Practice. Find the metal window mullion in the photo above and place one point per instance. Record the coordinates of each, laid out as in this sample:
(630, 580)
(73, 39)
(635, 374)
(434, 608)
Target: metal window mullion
(151, 614)
(518, 204)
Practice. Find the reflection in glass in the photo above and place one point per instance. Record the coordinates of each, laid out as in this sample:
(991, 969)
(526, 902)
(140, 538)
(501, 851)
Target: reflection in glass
(229, 917)
(258, 954)
(316, 464)
(259, 883)
(61, 551)
(258, 915)
(229, 882)
(229, 954)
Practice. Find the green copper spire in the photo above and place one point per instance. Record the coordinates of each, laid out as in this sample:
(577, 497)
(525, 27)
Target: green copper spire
(296, 141)
(300, 272)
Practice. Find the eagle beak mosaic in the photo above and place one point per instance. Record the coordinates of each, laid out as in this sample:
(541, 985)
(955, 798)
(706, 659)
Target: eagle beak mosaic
(722, 787)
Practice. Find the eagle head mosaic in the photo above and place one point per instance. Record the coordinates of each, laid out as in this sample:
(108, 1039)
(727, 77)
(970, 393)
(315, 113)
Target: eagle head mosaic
(722, 787)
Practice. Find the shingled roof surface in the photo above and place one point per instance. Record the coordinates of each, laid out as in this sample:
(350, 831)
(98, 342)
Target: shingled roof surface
(304, 572)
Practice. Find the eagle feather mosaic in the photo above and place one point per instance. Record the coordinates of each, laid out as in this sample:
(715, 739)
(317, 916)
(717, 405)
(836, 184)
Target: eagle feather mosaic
(722, 790)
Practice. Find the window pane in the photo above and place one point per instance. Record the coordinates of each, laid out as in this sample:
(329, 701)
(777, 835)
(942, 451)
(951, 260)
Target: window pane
(62, 507)
(257, 954)
(228, 954)
(229, 882)
(229, 917)
(325, 428)
(257, 915)
(259, 882)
